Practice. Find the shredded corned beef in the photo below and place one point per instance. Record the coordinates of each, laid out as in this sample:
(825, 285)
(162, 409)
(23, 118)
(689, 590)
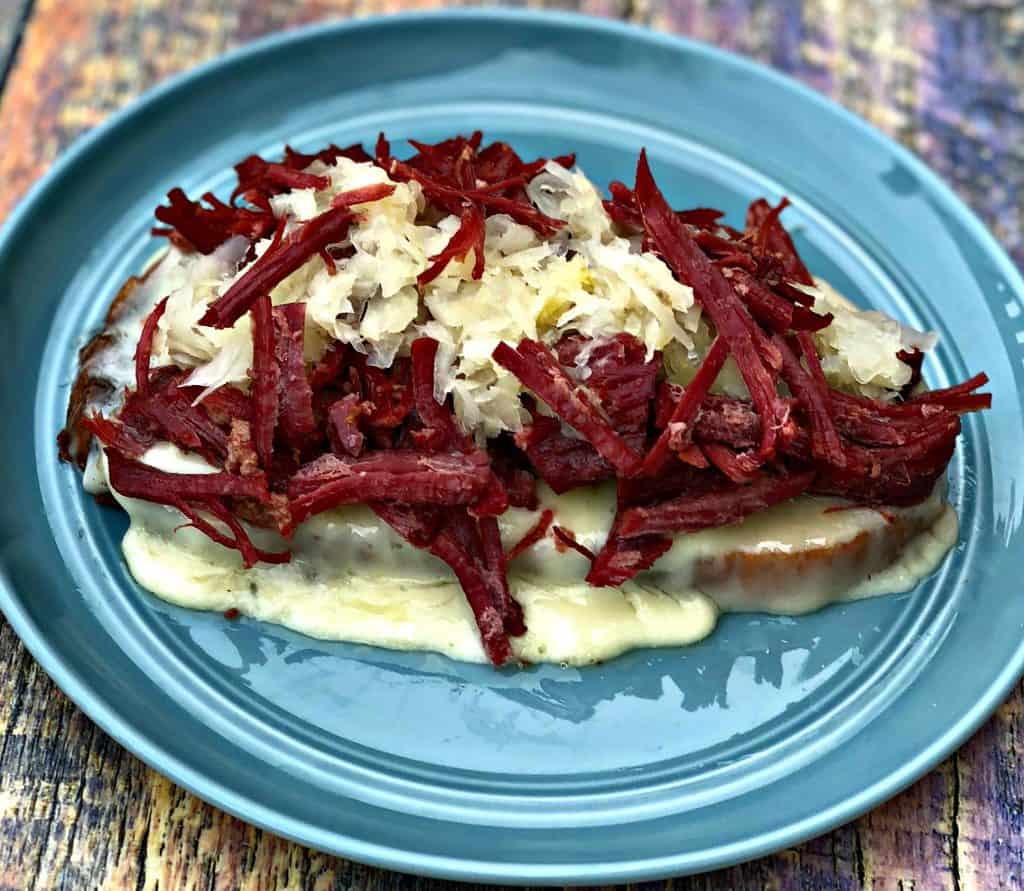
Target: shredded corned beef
(566, 539)
(259, 180)
(265, 376)
(469, 237)
(388, 475)
(206, 228)
(144, 348)
(534, 534)
(727, 504)
(343, 426)
(746, 340)
(136, 480)
(295, 396)
(305, 437)
(539, 371)
(677, 429)
(284, 257)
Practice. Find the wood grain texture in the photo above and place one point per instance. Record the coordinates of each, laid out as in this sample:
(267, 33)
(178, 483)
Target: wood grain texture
(945, 78)
(13, 15)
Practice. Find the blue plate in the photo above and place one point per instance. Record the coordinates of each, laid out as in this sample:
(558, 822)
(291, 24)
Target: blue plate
(658, 763)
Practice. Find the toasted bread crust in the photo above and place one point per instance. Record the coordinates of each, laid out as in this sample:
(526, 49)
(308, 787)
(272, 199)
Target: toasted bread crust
(89, 387)
(746, 576)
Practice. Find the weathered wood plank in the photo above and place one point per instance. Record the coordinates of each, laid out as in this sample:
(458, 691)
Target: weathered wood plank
(13, 15)
(946, 79)
(76, 811)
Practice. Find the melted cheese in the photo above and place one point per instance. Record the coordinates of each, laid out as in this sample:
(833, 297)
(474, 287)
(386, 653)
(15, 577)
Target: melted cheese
(352, 578)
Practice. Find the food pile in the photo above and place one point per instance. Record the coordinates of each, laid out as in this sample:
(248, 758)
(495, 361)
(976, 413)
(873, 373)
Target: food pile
(431, 336)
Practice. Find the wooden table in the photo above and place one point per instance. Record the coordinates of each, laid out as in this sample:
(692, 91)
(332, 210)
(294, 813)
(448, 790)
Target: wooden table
(946, 79)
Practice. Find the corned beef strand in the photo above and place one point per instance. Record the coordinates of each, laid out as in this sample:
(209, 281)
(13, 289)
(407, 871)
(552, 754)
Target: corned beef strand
(304, 439)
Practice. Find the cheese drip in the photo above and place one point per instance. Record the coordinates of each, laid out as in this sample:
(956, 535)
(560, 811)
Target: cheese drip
(352, 578)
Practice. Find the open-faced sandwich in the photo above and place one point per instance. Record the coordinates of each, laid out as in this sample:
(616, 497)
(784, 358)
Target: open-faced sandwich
(463, 403)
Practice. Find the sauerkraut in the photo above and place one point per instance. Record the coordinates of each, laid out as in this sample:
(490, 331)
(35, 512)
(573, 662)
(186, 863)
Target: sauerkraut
(586, 278)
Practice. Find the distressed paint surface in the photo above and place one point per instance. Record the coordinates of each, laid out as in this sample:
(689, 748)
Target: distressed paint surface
(945, 78)
(12, 15)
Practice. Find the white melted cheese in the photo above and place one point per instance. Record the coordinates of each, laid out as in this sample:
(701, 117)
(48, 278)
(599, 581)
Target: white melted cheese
(352, 578)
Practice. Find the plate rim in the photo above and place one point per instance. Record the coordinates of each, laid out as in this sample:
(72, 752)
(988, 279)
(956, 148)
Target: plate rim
(97, 707)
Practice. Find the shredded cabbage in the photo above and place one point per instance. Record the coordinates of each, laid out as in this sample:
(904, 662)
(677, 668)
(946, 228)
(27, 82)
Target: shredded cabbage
(191, 282)
(586, 278)
(858, 350)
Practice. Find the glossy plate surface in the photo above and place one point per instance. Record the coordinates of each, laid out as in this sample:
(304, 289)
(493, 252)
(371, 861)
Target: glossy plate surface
(661, 762)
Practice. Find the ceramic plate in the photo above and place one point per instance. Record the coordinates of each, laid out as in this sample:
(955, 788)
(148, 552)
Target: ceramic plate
(661, 762)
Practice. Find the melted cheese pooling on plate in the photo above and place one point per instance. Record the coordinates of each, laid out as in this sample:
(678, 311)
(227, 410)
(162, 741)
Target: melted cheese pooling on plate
(353, 578)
